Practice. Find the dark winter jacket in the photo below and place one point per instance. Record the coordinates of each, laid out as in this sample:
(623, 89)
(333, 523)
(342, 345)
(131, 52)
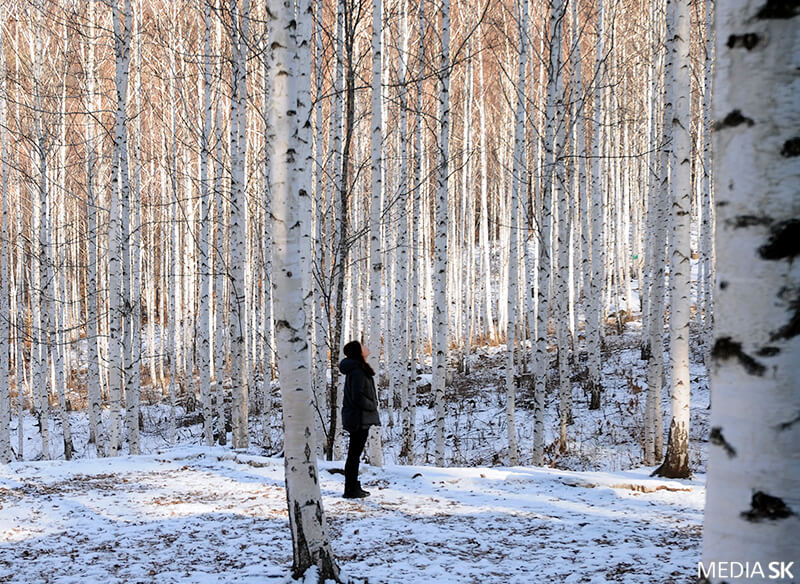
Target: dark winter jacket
(360, 402)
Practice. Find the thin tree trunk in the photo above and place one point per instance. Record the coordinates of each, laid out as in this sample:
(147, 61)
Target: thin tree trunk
(375, 252)
(240, 24)
(5, 270)
(676, 463)
(517, 186)
(441, 324)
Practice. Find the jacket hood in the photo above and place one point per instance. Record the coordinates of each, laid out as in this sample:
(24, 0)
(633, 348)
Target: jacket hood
(347, 365)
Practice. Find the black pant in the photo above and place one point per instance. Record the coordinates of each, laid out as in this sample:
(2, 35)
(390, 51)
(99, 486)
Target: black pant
(358, 438)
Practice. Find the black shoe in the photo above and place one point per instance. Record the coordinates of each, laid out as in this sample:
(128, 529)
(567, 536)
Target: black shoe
(359, 494)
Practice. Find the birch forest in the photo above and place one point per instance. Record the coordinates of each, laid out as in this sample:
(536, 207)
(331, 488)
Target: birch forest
(565, 230)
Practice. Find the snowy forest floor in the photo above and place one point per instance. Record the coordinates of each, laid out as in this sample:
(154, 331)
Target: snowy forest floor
(192, 514)
(200, 515)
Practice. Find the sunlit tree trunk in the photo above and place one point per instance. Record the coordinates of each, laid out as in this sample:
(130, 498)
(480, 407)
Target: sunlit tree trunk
(220, 281)
(560, 239)
(658, 219)
(415, 221)
(132, 341)
(594, 308)
(676, 463)
(488, 317)
(441, 324)
(291, 47)
(206, 281)
(96, 429)
(240, 377)
(517, 187)
(40, 273)
(5, 269)
(754, 462)
(709, 223)
(375, 252)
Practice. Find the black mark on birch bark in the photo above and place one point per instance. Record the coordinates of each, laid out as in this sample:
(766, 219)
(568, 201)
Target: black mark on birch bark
(718, 439)
(748, 41)
(791, 148)
(784, 241)
(725, 348)
(779, 9)
(741, 221)
(763, 506)
(790, 423)
(768, 351)
(733, 119)
(791, 328)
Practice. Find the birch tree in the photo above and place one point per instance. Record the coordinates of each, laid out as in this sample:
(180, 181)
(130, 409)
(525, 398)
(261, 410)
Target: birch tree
(240, 39)
(676, 463)
(658, 216)
(291, 46)
(96, 429)
(205, 217)
(541, 364)
(40, 269)
(5, 267)
(754, 462)
(517, 185)
(441, 323)
(596, 295)
(375, 252)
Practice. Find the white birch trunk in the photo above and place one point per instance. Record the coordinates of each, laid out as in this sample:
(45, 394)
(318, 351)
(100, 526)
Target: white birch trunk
(489, 328)
(205, 304)
(441, 324)
(220, 267)
(561, 238)
(517, 186)
(40, 271)
(596, 295)
(658, 217)
(403, 266)
(709, 224)
(754, 468)
(238, 140)
(306, 516)
(676, 463)
(5, 270)
(375, 252)
(96, 430)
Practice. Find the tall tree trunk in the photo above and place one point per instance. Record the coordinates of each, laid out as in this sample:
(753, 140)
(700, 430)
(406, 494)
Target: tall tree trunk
(375, 252)
(345, 49)
(441, 324)
(40, 269)
(240, 375)
(415, 220)
(489, 328)
(5, 269)
(595, 308)
(517, 187)
(754, 462)
(96, 430)
(676, 463)
(205, 304)
(306, 516)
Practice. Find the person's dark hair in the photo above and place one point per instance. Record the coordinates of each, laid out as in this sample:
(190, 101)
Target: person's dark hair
(352, 350)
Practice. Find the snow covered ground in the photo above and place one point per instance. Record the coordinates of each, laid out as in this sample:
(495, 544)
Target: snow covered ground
(200, 515)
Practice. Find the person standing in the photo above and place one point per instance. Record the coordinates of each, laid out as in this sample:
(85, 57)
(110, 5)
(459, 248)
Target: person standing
(359, 411)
